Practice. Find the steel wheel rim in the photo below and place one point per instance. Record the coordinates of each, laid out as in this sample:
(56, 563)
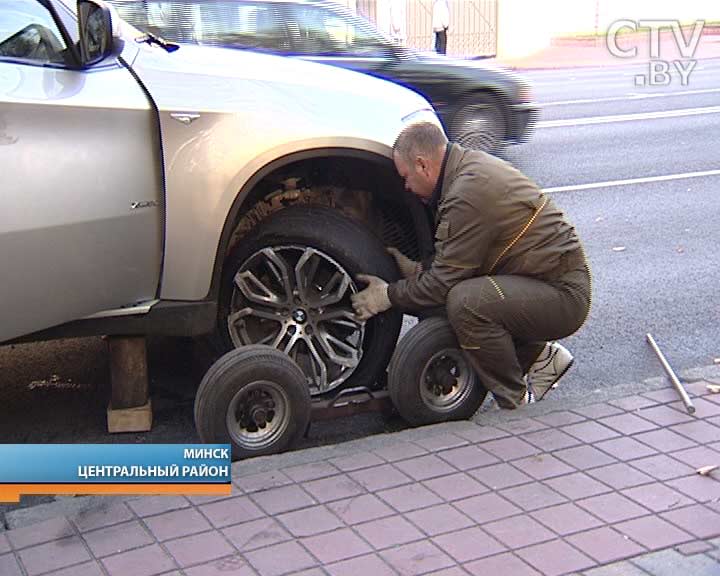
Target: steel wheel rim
(464, 381)
(479, 127)
(242, 415)
(297, 299)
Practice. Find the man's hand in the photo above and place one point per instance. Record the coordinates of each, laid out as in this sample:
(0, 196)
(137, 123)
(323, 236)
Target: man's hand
(408, 268)
(373, 300)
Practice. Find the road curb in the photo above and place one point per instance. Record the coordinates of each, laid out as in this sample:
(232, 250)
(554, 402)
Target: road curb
(66, 506)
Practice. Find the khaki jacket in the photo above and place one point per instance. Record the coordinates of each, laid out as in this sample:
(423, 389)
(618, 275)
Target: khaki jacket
(491, 220)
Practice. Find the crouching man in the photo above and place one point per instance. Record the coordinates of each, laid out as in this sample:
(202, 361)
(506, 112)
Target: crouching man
(508, 266)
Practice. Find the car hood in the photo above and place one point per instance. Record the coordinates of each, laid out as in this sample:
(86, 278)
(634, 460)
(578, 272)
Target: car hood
(220, 78)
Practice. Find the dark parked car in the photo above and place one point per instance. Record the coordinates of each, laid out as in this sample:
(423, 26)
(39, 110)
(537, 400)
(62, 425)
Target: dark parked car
(480, 105)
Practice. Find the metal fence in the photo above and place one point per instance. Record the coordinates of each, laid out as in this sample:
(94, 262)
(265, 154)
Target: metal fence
(473, 24)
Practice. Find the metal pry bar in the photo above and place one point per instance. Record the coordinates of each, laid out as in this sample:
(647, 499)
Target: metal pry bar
(673, 378)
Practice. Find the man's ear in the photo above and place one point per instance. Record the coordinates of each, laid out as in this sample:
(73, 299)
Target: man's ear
(421, 165)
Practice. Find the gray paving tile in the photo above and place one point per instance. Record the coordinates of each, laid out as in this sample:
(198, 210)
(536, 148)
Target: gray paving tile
(662, 467)
(4, 543)
(620, 476)
(229, 566)
(518, 531)
(283, 499)
(522, 426)
(631, 403)
(256, 534)
(147, 561)
(118, 538)
(623, 568)
(357, 461)
(410, 497)
(590, 432)
(380, 477)
(53, 555)
(467, 457)
(510, 448)
(231, 511)
(625, 448)
(388, 532)
(552, 439)
(454, 571)
(559, 419)
(312, 471)
(555, 557)
(151, 505)
(487, 507)
(280, 559)
(336, 546)
(664, 415)
(599, 410)
(262, 481)
(696, 547)
(671, 563)
(309, 521)
(439, 519)
(39, 532)
(9, 566)
(701, 432)
(400, 451)
(361, 508)
(701, 488)
(532, 496)
(628, 424)
(481, 434)
(361, 566)
(417, 558)
(566, 519)
(101, 516)
(87, 569)
(664, 440)
(703, 408)
(652, 532)
(441, 442)
(469, 544)
(501, 565)
(199, 548)
(542, 466)
(605, 545)
(333, 488)
(664, 395)
(576, 486)
(177, 523)
(584, 457)
(698, 520)
(455, 487)
(500, 476)
(425, 467)
(612, 507)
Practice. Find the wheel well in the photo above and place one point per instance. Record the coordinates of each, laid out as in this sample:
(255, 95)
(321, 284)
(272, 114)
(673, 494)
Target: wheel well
(367, 189)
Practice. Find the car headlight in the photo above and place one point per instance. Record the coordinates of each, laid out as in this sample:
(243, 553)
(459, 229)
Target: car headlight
(422, 115)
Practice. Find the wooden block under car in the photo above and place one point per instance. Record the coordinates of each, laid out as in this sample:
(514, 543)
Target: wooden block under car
(137, 419)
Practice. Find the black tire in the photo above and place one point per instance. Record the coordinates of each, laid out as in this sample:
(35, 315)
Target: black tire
(351, 246)
(479, 124)
(428, 346)
(257, 377)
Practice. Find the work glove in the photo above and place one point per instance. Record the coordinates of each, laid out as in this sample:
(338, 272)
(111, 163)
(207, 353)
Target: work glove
(408, 268)
(373, 300)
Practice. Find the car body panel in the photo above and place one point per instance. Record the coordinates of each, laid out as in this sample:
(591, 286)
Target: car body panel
(253, 109)
(71, 243)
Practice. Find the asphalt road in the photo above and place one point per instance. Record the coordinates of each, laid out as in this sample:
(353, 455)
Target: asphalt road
(621, 160)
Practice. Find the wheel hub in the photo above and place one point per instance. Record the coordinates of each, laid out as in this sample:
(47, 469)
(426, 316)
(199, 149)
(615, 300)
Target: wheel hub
(299, 316)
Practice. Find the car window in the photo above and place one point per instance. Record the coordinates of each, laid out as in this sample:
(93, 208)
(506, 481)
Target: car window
(319, 30)
(225, 23)
(28, 32)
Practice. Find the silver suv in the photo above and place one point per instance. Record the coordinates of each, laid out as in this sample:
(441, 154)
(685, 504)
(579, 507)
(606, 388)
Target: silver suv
(150, 188)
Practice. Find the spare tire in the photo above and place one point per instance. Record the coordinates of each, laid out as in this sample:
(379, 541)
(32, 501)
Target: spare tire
(288, 285)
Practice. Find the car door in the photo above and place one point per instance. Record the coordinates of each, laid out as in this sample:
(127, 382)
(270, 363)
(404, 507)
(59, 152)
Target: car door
(81, 212)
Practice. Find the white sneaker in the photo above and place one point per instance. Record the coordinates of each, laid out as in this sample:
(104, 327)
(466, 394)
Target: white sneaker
(549, 367)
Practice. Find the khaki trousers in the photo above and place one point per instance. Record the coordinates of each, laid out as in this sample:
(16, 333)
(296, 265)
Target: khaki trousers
(503, 322)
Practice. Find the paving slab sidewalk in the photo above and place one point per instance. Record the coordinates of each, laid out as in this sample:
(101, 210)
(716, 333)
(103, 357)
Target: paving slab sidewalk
(601, 489)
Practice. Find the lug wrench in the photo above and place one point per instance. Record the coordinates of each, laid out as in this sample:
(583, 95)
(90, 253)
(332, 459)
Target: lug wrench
(673, 378)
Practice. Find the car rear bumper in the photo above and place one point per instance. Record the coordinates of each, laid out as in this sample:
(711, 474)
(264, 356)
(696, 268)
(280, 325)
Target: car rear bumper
(522, 121)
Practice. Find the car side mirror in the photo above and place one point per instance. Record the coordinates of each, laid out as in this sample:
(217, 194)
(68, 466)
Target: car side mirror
(95, 28)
